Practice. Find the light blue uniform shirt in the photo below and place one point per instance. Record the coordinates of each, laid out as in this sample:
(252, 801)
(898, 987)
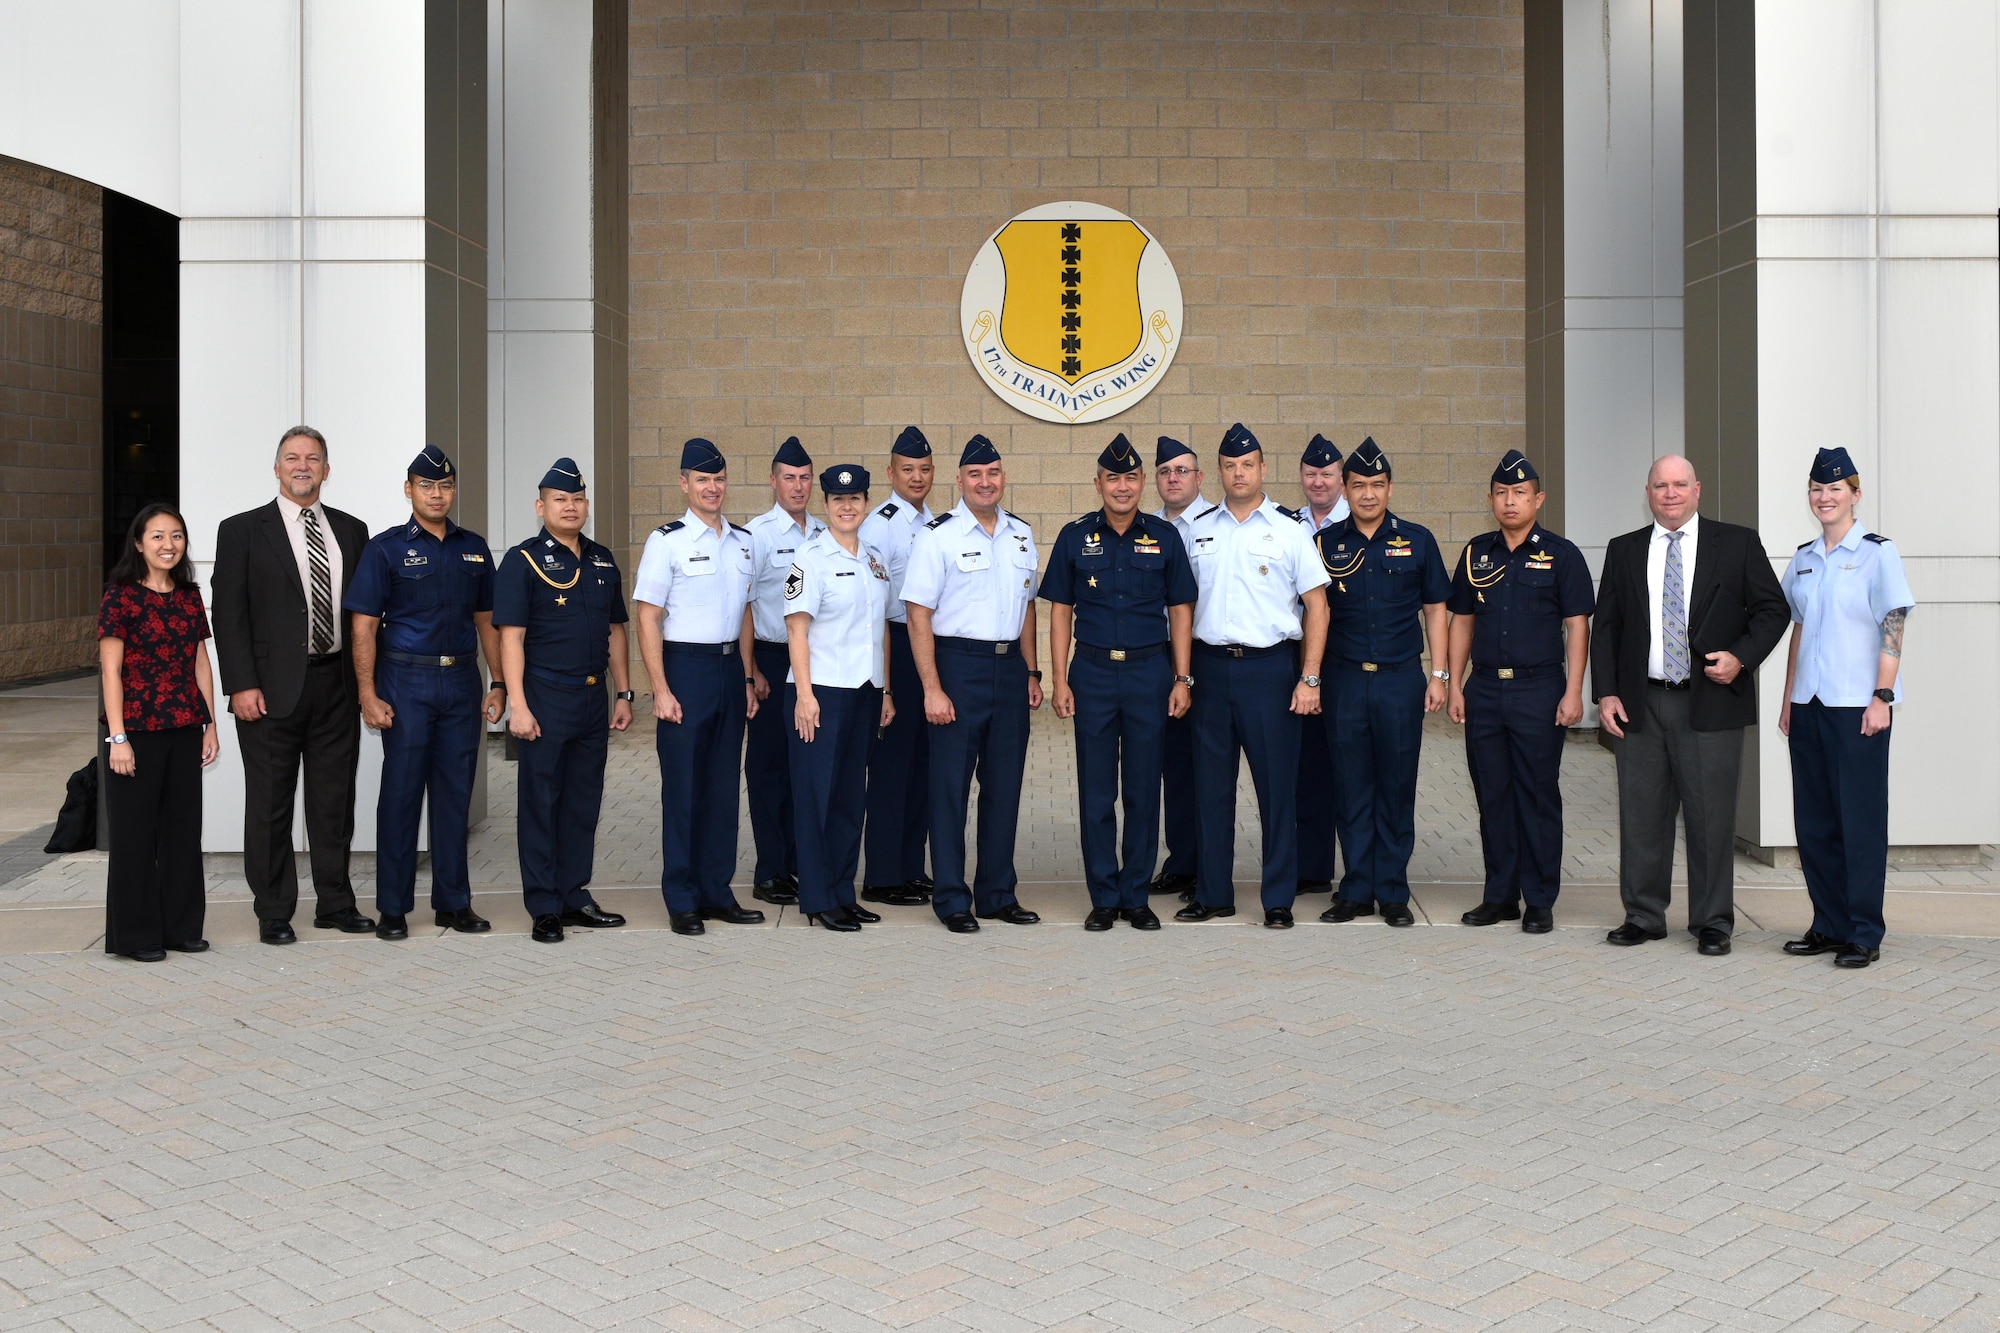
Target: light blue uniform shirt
(1252, 575)
(775, 543)
(701, 577)
(890, 531)
(977, 587)
(1841, 597)
(846, 598)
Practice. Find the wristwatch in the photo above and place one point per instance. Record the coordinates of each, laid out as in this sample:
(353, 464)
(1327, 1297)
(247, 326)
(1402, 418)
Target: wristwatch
(1886, 696)
(119, 739)
(1441, 675)
(1184, 680)
(1310, 682)
(627, 695)
(1034, 675)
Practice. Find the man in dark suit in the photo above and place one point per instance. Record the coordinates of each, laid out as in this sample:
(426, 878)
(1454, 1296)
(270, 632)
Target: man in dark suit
(280, 572)
(1686, 610)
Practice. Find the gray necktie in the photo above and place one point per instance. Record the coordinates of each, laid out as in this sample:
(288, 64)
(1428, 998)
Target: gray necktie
(1674, 615)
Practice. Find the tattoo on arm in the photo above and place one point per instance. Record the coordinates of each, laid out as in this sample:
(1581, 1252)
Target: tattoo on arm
(1892, 631)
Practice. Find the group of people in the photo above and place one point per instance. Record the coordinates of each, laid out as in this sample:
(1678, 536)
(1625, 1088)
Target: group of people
(883, 659)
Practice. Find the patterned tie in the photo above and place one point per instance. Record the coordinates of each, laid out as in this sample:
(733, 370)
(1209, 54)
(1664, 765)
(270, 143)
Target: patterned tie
(1674, 615)
(321, 639)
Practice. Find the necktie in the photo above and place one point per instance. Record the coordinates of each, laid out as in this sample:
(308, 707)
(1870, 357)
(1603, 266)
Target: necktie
(1674, 615)
(320, 639)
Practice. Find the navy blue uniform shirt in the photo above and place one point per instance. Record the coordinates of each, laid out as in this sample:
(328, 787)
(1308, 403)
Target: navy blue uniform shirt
(1519, 599)
(424, 590)
(568, 605)
(1119, 584)
(1380, 586)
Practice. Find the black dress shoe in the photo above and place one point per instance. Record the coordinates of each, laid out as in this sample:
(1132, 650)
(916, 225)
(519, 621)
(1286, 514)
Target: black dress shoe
(734, 914)
(590, 914)
(1101, 918)
(1013, 914)
(1165, 883)
(392, 927)
(277, 932)
(147, 955)
(1189, 893)
(1346, 909)
(189, 946)
(465, 921)
(1713, 942)
(922, 887)
(1277, 918)
(895, 896)
(861, 915)
(1315, 886)
(1142, 918)
(1538, 921)
(1490, 914)
(833, 920)
(346, 920)
(548, 929)
(1398, 914)
(1853, 955)
(1812, 942)
(775, 891)
(686, 923)
(961, 923)
(1628, 935)
(1200, 911)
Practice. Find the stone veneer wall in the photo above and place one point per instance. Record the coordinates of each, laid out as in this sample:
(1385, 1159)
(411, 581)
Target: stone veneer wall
(1338, 183)
(51, 419)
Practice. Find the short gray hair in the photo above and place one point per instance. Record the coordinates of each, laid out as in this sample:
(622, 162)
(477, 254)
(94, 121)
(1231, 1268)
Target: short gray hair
(310, 434)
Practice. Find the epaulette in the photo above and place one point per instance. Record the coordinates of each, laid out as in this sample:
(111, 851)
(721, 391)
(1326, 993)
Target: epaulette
(940, 520)
(1292, 514)
(1875, 537)
(887, 510)
(674, 526)
(1803, 545)
(1206, 512)
(740, 528)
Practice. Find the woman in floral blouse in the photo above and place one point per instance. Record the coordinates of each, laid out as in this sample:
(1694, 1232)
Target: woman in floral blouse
(159, 707)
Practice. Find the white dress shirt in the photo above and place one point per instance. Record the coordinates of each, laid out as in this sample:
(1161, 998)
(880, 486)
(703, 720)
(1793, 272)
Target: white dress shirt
(295, 531)
(1185, 523)
(1251, 576)
(977, 586)
(700, 577)
(775, 542)
(1656, 581)
(846, 598)
(890, 531)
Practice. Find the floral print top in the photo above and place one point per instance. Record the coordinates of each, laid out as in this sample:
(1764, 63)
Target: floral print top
(161, 631)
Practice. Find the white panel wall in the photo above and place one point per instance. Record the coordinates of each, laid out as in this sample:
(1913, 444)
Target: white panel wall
(240, 108)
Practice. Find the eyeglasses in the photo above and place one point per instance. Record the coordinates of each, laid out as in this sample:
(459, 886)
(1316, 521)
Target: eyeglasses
(1178, 473)
(429, 487)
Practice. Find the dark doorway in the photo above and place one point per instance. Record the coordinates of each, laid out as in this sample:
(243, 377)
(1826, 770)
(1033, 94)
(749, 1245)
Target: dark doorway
(142, 363)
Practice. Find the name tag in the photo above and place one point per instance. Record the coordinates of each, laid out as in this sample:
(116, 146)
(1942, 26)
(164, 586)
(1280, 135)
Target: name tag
(973, 561)
(694, 566)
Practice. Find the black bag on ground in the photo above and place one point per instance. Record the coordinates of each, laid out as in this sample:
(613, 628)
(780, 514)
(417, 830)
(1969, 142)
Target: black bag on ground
(76, 826)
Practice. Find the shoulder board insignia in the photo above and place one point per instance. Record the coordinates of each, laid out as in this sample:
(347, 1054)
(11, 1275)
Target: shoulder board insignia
(674, 526)
(1875, 537)
(888, 510)
(1292, 514)
(1206, 512)
(740, 528)
(1803, 545)
(940, 520)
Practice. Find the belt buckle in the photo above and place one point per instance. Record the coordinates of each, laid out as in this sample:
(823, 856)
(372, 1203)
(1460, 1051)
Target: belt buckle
(590, 680)
(1371, 666)
(1504, 673)
(1117, 654)
(1233, 650)
(1000, 649)
(447, 661)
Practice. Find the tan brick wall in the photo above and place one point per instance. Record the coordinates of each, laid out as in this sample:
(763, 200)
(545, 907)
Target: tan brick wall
(1339, 185)
(51, 419)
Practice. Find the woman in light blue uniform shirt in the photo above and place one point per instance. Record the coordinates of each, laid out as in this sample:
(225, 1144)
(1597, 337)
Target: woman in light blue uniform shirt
(1849, 602)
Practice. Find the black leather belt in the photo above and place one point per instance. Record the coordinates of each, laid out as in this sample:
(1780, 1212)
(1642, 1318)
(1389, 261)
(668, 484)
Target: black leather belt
(557, 678)
(990, 647)
(1517, 673)
(1349, 664)
(700, 649)
(428, 660)
(1120, 654)
(321, 659)
(1659, 684)
(1241, 650)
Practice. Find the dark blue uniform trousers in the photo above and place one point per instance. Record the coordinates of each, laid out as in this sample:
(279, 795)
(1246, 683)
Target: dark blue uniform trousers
(1246, 703)
(1840, 812)
(1317, 796)
(828, 796)
(989, 739)
(1376, 729)
(1513, 749)
(1121, 726)
(560, 783)
(1178, 799)
(700, 757)
(899, 777)
(767, 770)
(431, 749)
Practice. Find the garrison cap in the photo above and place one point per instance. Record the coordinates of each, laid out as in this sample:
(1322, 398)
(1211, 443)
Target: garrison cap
(1119, 456)
(1830, 465)
(1321, 452)
(791, 454)
(431, 464)
(978, 451)
(1515, 467)
(1368, 460)
(1169, 448)
(844, 479)
(911, 444)
(1238, 441)
(698, 455)
(563, 475)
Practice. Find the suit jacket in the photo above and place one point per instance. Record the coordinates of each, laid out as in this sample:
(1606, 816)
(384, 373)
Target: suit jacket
(1734, 605)
(259, 604)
